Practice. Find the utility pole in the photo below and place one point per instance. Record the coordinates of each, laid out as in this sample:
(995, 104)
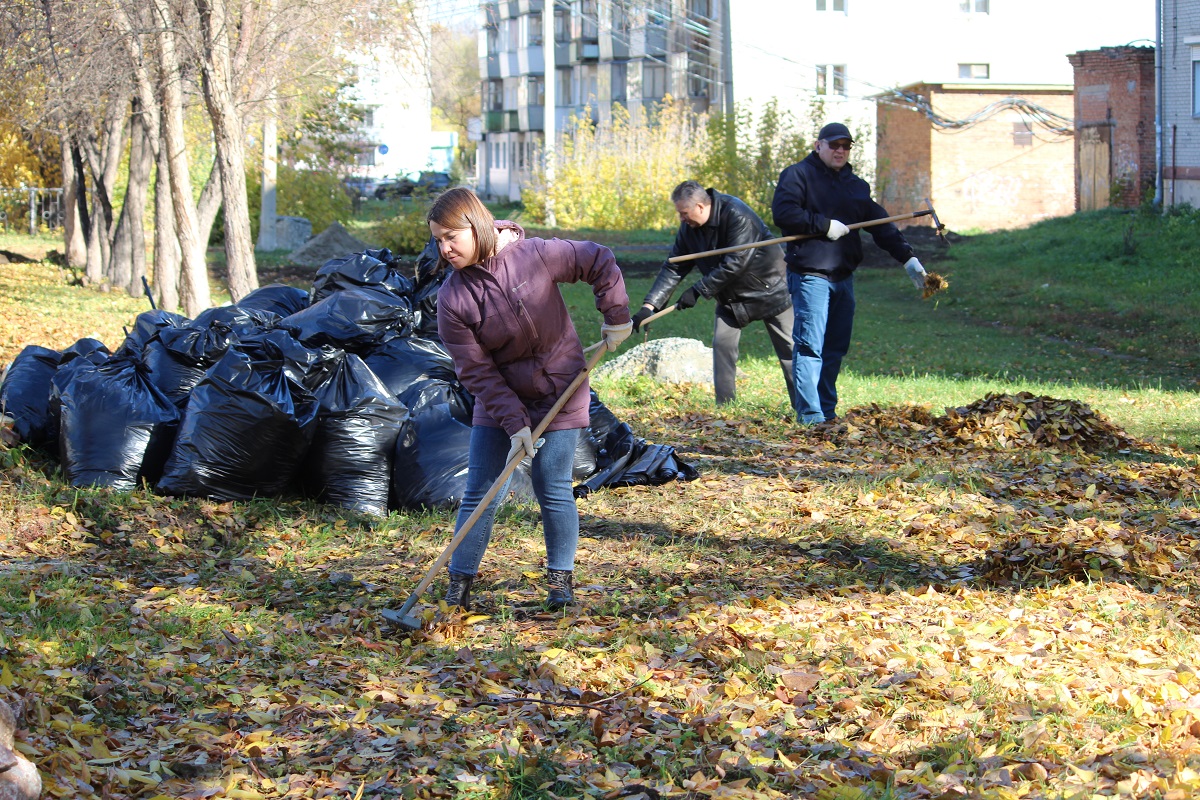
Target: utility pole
(549, 132)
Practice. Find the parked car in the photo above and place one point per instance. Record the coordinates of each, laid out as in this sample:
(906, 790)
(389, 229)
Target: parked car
(357, 186)
(425, 183)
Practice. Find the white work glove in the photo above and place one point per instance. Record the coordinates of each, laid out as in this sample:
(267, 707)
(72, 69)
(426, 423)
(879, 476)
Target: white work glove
(522, 444)
(615, 334)
(837, 230)
(916, 272)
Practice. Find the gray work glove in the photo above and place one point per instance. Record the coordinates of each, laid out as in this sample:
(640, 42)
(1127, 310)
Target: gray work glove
(837, 230)
(615, 334)
(522, 444)
(916, 272)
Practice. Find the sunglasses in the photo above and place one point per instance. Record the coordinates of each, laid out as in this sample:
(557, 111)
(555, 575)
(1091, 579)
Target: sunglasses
(841, 144)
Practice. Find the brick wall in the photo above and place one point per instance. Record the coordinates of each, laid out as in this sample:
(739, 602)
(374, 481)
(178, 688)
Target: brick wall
(982, 177)
(1114, 90)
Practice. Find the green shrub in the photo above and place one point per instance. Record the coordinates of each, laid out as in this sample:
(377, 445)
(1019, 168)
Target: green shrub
(619, 177)
(316, 195)
(406, 232)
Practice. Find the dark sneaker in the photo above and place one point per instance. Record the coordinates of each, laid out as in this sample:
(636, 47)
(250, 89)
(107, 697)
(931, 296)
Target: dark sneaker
(560, 583)
(458, 592)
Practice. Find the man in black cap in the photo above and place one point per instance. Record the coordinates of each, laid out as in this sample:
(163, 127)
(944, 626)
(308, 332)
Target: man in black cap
(819, 197)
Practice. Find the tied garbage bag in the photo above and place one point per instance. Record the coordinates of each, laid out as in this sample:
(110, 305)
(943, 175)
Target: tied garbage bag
(178, 356)
(84, 353)
(374, 269)
(430, 468)
(276, 298)
(623, 459)
(349, 462)
(402, 362)
(352, 319)
(246, 427)
(429, 280)
(146, 328)
(116, 426)
(25, 393)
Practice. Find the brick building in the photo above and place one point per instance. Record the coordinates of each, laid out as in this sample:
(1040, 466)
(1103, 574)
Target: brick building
(1114, 123)
(988, 157)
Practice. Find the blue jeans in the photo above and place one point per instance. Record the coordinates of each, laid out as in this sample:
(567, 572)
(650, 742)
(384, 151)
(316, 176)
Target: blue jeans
(820, 339)
(551, 474)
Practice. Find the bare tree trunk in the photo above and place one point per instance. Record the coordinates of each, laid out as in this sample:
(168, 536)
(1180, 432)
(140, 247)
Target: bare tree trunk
(128, 263)
(74, 246)
(104, 159)
(231, 149)
(193, 284)
(209, 203)
(166, 246)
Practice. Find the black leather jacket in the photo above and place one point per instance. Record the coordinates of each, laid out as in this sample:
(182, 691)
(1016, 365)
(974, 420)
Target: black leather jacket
(751, 284)
(807, 196)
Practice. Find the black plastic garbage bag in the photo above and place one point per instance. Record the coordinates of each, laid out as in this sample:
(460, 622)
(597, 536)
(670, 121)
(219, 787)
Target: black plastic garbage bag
(276, 298)
(404, 361)
(430, 469)
(205, 339)
(25, 393)
(433, 392)
(623, 459)
(349, 462)
(246, 427)
(353, 319)
(117, 428)
(82, 354)
(429, 280)
(172, 374)
(373, 269)
(146, 328)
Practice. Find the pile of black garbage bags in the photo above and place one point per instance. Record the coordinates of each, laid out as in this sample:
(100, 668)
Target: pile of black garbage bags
(343, 394)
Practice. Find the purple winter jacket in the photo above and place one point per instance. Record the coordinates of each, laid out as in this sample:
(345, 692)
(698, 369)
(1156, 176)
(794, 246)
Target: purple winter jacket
(507, 328)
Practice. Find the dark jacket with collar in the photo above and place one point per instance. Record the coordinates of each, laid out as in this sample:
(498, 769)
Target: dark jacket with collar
(809, 194)
(751, 283)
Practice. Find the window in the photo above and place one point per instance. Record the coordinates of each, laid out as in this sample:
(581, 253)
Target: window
(535, 90)
(831, 79)
(562, 25)
(584, 19)
(1022, 134)
(654, 81)
(975, 6)
(533, 30)
(976, 72)
(620, 76)
(495, 96)
(493, 40)
(1195, 80)
(562, 87)
(620, 20)
(834, 5)
(509, 34)
(510, 92)
(584, 79)
(368, 119)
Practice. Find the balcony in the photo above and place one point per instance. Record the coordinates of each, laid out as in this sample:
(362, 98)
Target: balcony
(583, 51)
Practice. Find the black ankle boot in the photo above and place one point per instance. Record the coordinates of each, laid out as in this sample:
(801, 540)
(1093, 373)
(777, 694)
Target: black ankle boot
(458, 592)
(560, 582)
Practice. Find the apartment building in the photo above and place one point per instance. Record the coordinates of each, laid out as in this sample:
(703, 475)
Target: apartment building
(1179, 102)
(631, 52)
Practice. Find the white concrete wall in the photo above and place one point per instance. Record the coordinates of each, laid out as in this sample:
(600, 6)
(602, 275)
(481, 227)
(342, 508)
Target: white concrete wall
(886, 43)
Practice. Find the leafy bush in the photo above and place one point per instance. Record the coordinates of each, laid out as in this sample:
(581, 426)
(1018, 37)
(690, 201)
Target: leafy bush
(407, 232)
(316, 195)
(619, 177)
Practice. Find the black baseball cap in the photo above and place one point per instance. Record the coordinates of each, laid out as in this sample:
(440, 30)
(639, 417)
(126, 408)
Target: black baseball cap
(834, 131)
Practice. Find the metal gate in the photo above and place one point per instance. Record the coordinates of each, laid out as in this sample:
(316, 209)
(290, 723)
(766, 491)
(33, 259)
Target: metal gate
(31, 210)
(1095, 174)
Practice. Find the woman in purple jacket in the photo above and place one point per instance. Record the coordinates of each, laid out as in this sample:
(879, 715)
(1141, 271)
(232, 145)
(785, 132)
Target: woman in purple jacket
(504, 322)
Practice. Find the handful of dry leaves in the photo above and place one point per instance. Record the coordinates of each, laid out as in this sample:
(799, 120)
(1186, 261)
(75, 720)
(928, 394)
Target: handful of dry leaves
(934, 283)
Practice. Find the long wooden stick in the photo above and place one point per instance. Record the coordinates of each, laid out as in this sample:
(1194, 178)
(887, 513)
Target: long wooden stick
(780, 240)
